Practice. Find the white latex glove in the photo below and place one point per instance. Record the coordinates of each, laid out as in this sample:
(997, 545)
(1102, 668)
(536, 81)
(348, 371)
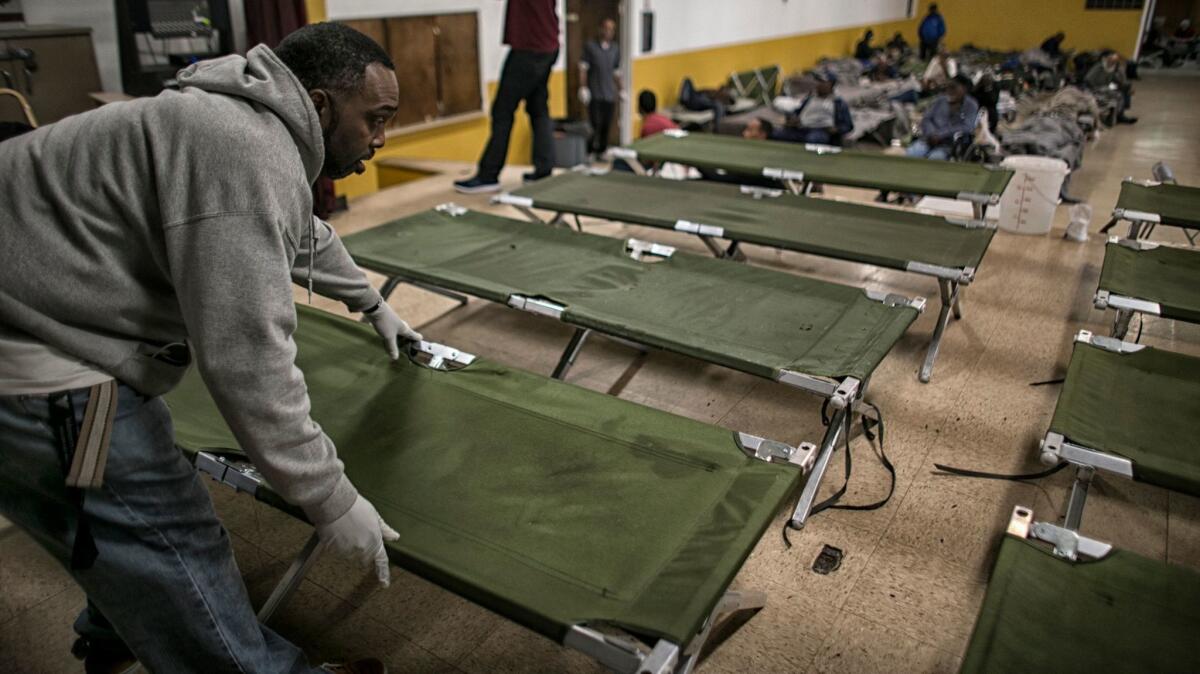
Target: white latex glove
(359, 535)
(585, 95)
(390, 327)
(623, 95)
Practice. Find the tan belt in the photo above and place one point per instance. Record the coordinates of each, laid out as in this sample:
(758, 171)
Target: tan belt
(91, 447)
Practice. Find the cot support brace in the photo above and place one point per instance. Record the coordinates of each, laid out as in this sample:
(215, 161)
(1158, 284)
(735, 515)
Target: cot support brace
(1078, 498)
(828, 444)
(571, 353)
(1121, 323)
(393, 282)
(950, 294)
(291, 578)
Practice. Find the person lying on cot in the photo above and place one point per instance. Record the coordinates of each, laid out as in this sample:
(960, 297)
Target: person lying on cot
(758, 129)
(822, 117)
(951, 119)
(140, 236)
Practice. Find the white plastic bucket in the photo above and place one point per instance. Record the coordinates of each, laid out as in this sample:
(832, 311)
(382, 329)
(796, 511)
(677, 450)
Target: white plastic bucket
(1028, 204)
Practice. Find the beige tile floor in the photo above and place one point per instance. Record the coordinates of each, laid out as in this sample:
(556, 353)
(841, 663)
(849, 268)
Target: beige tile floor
(914, 572)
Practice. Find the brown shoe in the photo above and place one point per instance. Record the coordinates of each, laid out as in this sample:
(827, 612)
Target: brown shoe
(364, 666)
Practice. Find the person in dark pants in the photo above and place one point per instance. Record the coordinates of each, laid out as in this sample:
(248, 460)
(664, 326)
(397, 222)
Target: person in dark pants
(531, 32)
(601, 84)
(931, 32)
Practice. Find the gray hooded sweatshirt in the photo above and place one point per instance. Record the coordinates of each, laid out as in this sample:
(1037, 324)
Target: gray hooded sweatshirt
(184, 218)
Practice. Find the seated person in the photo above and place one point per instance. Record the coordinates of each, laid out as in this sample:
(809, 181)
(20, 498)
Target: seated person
(652, 121)
(863, 51)
(881, 69)
(822, 117)
(987, 95)
(1053, 45)
(950, 119)
(1185, 31)
(941, 70)
(898, 43)
(758, 129)
(1109, 74)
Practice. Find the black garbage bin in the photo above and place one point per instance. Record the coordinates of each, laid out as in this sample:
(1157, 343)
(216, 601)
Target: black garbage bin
(571, 142)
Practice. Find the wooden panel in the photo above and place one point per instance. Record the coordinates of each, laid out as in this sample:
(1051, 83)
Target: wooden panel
(372, 28)
(458, 63)
(66, 74)
(412, 45)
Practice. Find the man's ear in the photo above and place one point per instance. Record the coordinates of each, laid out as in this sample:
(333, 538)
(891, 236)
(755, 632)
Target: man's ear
(323, 102)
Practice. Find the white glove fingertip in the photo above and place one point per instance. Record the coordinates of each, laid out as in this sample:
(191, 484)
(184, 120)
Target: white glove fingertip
(383, 572)
(389, 534)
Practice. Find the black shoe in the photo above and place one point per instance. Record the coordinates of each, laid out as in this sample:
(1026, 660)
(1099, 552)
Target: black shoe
(534, 176)
(1126, 119)
(476, 185)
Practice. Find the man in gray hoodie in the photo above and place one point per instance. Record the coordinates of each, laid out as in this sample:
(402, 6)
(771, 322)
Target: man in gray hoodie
(134, 238)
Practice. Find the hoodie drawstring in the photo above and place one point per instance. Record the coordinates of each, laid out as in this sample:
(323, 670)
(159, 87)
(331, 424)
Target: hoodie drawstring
(312, 252)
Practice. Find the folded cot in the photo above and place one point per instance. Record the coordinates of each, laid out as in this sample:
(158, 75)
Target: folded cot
(820, 337)
(798, 166)
(946, 249)
(604, 525)
(1148, 204)
(1044, 611)
(1130, 410)
(1148, 278)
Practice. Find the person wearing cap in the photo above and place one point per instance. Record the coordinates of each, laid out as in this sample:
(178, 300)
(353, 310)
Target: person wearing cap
(822, 118)
(952, 116)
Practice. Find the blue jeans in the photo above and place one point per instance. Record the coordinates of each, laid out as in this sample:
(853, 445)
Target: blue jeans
(920, 148)
(165, 576)
(802, 135)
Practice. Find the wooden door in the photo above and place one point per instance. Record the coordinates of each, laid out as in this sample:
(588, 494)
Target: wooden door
(412, 44)
(458, 63)
(583, 23)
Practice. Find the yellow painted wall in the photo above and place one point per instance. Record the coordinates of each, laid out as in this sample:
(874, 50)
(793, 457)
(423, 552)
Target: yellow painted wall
(1022, 24)
(661, 74)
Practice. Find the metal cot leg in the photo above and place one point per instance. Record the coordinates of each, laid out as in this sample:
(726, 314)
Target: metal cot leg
(828, 445)
(570, 353)
(1121, 323)
(291, 579)
(949, 293)
(1079, 492)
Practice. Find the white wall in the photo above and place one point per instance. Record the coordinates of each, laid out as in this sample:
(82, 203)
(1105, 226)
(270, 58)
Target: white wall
(680, 25)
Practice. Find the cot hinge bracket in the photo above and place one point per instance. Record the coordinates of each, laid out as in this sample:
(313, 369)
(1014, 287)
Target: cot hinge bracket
(1069, 544)
(761, 192)
(699, 228)
(623, 153)
(1104, 299)
(957, 274)
(452, 209)
(783, 174)
(773, 451)
(1139, 216)
(537, 305)
(237, 474)
(637, 249)
(979, 197)
(620, 654)
(1133, 244)
(441, 357)
(896, 300)
(1056, 448)
(1108, 343)
(970, 223)
(822, 149)
(513, 200)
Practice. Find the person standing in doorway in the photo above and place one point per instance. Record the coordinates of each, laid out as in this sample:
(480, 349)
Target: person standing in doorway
(601, 83)
(931, 32)
(531, 32)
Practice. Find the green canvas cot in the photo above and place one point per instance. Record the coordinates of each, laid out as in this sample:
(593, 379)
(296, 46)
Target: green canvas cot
(1119, 613)
(821, 337)
(1151, 278)
(1148, 204)
(1130, 410)
(799, 164)
(948, 250)
(560, 508)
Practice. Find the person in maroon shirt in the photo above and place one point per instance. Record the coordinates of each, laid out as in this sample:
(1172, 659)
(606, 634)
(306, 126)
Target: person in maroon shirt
(531, 32)
(652, 121)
